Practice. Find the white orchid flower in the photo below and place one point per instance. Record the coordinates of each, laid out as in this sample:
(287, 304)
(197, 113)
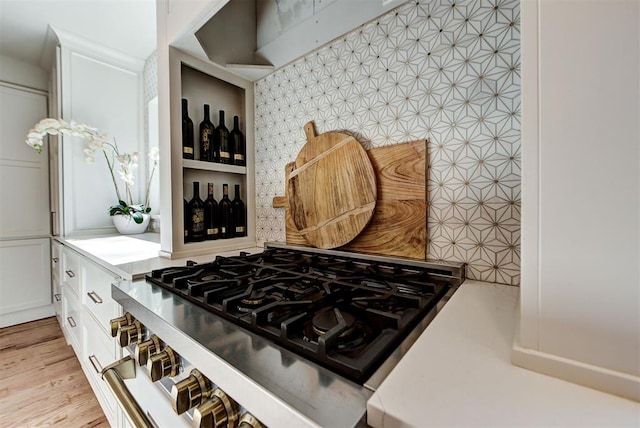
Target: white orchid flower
(96, 140)
(154, 156)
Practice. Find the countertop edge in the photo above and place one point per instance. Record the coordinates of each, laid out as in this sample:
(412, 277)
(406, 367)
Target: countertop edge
(138, 268)
(459, 373)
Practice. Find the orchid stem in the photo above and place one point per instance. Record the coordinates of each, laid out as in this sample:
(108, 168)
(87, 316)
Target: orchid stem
(113, 178)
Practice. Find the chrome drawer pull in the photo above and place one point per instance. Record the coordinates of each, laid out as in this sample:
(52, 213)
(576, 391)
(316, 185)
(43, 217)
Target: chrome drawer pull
(93, 296)
(95, 363)
(114, 375)
(57, 297)
(71, 321)
(153, 421)
(70, 273)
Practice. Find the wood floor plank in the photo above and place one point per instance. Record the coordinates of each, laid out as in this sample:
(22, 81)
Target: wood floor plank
(41, 380)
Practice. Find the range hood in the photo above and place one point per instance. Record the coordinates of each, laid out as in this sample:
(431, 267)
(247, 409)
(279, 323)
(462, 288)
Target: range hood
(252, 38)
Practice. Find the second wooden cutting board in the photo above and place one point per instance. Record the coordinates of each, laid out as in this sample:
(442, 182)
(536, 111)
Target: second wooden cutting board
(331, 190)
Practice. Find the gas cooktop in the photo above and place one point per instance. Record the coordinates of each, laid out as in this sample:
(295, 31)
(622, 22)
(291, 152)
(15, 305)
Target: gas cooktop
(344, 311)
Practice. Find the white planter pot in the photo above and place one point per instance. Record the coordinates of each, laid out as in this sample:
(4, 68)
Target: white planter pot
(127, 226)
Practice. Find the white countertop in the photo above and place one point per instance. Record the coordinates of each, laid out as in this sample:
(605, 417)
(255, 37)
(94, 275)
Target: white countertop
(133, 256)
(459, 373)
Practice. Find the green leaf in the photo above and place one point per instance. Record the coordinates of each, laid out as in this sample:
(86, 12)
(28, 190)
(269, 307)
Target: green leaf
(137, 217)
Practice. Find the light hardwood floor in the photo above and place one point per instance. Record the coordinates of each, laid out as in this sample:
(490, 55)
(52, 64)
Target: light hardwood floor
(41, 381)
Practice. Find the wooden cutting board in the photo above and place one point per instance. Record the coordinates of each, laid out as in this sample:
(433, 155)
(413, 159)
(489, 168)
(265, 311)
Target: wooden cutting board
(331, 189)
(399, 225)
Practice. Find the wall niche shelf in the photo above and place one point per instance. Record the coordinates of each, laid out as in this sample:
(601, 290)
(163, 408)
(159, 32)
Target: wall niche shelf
(212, 166)
(201, 82)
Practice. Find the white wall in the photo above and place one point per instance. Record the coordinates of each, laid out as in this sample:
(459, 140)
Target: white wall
(580, 298)
(23, 74)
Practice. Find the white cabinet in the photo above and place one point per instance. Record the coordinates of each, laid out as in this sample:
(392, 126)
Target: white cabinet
(56, 281)
(25, 284)
(72, 319)
(24, 173)
(96, 295)
(102, 89)
(99, 350)
(579, 318)
(87, 308)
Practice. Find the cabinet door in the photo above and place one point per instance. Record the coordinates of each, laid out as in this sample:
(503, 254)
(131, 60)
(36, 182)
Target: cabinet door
(25, 281)
(24, 181)
(107, 96)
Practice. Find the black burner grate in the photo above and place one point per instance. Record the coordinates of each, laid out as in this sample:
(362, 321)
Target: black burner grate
(345, 314)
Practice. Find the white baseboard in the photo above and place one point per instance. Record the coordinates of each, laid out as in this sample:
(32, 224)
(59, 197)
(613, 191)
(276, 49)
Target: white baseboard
(602, 379)
(20, 317)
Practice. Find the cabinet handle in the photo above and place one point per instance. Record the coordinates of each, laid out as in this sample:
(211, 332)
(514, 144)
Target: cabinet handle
(93, 296)
(95, 363)
(153, 421)
(113, 375)
(55, 260)
(71, 321)
(57, 297)
(70, 273)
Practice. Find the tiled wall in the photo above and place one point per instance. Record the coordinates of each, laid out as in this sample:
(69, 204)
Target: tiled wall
(443, 70)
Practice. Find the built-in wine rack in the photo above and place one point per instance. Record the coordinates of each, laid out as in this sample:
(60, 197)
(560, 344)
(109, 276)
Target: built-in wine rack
(201, 83)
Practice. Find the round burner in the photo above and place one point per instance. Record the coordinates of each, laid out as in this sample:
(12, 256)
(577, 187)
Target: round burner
(256, 298)
(209, 277)
(324, 321)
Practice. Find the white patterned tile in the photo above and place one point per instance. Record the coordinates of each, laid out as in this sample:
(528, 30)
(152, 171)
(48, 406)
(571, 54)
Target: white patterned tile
(443, 70)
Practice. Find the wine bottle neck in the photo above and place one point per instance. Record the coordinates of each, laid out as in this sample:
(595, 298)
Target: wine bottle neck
(196, 189)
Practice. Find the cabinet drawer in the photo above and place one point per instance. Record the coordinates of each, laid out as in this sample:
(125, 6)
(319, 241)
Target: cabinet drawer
(57, 298)
(56, 259)
(72, 312)
(71, 270)
(99, 351)
(96, 294)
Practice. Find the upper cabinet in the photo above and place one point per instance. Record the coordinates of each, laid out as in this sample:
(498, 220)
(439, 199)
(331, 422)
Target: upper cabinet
(252, 38)
(102, 89)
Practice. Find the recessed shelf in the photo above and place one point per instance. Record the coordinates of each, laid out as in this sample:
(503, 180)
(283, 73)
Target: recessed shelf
(212, 166)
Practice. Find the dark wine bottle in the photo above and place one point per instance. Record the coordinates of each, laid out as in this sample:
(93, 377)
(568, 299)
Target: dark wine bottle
(239, 216)
(222, 141)
(226, 216)
(206, 137)
(196, 214)
(186, 221)
(187, 132)
(211, 228)
(237, 143)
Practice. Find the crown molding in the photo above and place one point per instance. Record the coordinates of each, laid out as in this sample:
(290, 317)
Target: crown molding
(96, 50)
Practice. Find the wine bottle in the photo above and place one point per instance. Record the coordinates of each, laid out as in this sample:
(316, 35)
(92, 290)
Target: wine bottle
(211, 229)
(196, 214)
(222, 141)
(206, 137)
(186, 221)
(187, 132)
(226, 217)
(237, 143)
(239, 216)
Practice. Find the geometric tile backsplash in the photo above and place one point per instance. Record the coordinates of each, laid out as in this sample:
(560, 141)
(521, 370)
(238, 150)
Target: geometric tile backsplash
(443, 70)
